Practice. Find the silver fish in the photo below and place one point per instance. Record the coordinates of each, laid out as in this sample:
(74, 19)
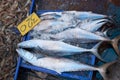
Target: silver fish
(85, 37)
(77, 33)
(66, 19)
(81, 15)
(58, 48)
(52, 26)
(61, 64)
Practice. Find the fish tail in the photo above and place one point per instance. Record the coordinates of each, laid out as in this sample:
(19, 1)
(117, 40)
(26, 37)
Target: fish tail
(94, 50)
(115, 44)
(103, 69)
(105, 32)
(111, 19)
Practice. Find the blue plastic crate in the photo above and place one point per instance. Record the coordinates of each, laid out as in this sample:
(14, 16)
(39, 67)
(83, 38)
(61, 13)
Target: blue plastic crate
(69, 75)
(74, 75)
(111, 10)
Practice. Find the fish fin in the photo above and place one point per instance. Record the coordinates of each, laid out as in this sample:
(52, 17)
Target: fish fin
(97, 45)
(103, 69)
(105, 33)
(115, 44)
(94, 50)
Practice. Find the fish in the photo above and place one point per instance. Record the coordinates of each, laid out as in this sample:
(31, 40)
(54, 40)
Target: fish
(81, 15)
(58, 48)
(84, 36)
(71, 16)
(53, 27)
(77, 33)
(61, 64)
(65, 20)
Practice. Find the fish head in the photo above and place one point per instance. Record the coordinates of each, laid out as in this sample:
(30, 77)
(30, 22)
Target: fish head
(26, 55)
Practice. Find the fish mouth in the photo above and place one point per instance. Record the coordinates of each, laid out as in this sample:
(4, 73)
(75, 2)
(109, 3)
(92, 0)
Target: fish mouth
(25, 54)
(20, 51)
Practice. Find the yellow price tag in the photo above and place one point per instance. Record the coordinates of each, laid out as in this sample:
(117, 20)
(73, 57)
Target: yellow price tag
(29, 23)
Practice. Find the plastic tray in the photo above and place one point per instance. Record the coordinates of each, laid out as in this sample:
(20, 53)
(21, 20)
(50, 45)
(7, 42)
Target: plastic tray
(74, 75)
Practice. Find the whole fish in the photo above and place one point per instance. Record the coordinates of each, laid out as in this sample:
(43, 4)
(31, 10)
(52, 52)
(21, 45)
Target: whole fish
(57, 48)
(48, 27)
(65, 20)
(85, 37)
(77, 33)
(71, 16)
(61, 64)
(53, 27)
(81, 15)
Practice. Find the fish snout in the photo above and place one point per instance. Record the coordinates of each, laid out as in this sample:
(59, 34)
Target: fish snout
(26, 55)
